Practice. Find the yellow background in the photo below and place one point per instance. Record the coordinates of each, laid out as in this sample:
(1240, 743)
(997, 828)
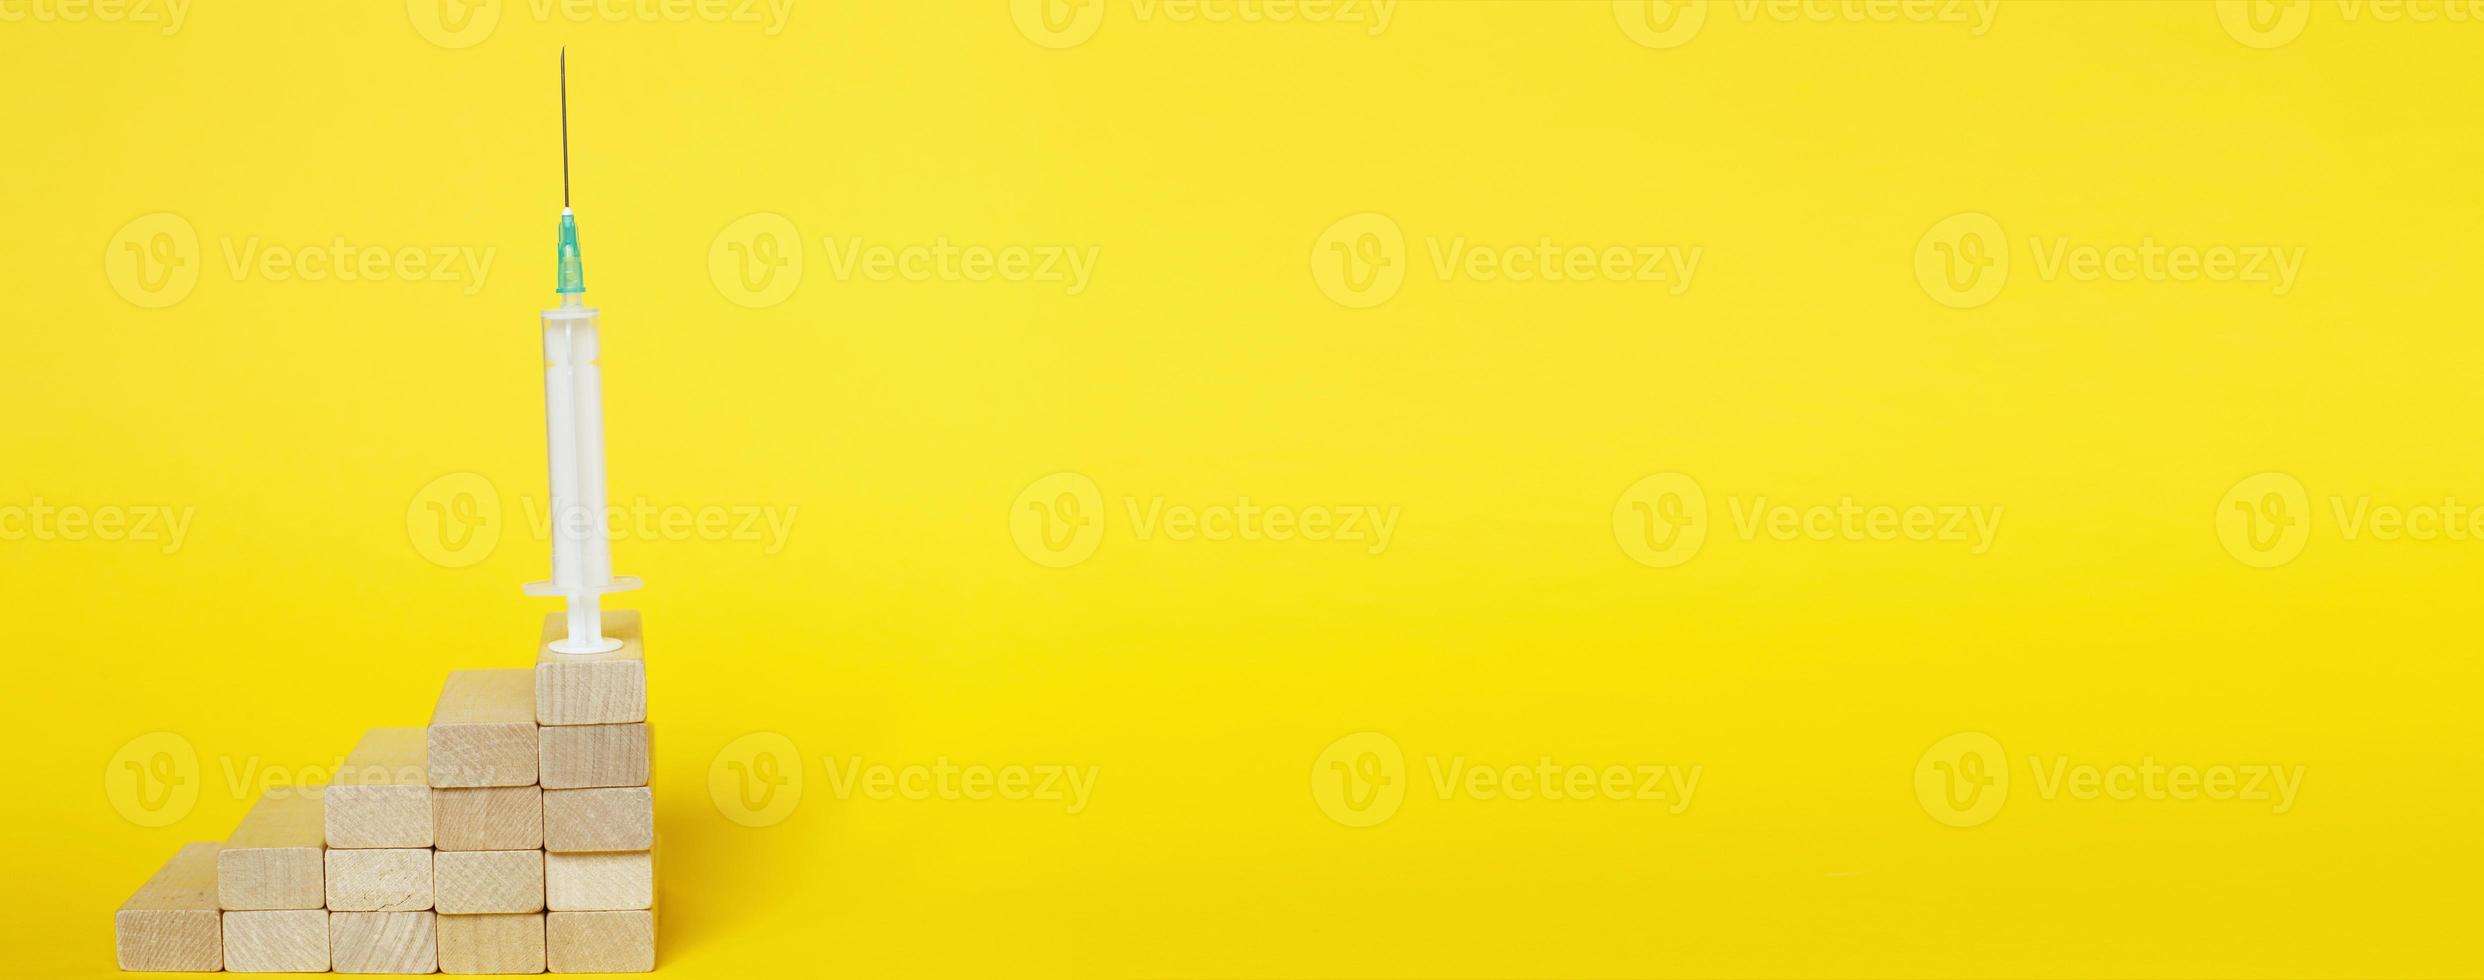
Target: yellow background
(896, 424)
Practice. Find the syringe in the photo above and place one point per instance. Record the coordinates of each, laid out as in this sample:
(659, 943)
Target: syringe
(573, 412)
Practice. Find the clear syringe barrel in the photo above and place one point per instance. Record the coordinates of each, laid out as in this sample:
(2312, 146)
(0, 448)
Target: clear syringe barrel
(573, 410)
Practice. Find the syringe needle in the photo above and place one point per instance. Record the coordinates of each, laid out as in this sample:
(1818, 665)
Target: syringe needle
(564, 127)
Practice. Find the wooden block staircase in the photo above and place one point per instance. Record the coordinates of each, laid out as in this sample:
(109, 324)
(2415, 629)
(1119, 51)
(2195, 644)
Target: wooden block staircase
(513, 834)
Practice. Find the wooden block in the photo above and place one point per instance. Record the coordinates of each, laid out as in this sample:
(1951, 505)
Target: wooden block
(602, 882)
(487, 818)
(491, 943)
(480, 882)
(273, 860)
(600, 942)
(384, 942)
(379, 879)
(289, 941)
(382, 798)
(483, 730)
(172, 923)
(619, 818)
(592, 688)
(582, 756)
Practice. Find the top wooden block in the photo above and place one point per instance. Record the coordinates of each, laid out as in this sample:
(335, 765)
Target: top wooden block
(277, 858)
(382, 797)
(592, 688)
(483, 731)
